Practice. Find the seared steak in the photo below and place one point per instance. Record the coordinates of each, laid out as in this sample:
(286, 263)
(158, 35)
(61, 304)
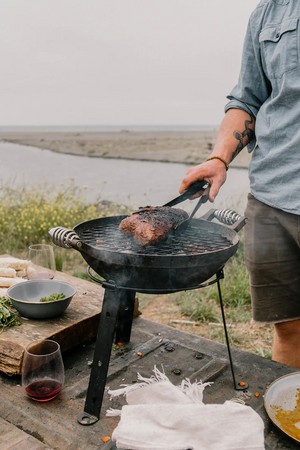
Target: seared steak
(152, 224)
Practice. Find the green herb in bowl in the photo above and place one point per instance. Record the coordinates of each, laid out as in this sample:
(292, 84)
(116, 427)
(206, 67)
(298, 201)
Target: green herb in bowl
(52, 298)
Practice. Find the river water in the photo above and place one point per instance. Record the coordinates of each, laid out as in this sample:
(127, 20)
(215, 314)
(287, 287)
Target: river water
(128, 182)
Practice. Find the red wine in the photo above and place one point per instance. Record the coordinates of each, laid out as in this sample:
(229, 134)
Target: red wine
(43, 390)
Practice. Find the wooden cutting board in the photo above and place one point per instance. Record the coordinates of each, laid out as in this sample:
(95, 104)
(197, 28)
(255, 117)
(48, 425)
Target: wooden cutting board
(78, 324)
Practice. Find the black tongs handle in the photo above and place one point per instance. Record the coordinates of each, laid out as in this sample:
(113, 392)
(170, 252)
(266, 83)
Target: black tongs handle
(198, 186)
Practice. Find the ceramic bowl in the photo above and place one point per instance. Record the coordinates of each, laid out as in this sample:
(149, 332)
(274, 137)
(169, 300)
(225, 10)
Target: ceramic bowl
(26, 296)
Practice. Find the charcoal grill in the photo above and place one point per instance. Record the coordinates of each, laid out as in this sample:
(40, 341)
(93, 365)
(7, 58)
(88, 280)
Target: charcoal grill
(183, 262)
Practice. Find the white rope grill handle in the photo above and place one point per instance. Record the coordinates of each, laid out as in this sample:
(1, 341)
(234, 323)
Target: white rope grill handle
(227, 216)
(64, 237)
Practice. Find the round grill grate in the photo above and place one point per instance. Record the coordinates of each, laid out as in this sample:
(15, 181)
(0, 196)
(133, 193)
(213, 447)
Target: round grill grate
(195, 240)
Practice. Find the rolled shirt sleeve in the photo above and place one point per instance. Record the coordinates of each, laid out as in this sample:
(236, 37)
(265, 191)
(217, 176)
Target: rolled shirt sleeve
(253, 87)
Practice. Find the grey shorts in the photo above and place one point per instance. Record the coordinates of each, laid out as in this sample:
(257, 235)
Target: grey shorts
(272, 255)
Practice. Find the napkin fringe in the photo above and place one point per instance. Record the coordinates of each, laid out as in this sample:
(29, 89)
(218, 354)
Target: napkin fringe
(113, 412)
(143, 381)
(194, 391)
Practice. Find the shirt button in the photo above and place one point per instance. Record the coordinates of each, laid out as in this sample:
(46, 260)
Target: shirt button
(277, 35)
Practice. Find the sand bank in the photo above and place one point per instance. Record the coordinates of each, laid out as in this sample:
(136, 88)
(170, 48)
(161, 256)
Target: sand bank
(187, 147)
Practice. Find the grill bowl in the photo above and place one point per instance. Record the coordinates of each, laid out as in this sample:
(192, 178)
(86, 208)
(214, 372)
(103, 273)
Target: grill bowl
(25, 298)
(182, 262)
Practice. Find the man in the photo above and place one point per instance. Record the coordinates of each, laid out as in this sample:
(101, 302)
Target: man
(264, 113)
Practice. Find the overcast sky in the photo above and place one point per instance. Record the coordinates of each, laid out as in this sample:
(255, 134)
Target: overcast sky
(114, 62)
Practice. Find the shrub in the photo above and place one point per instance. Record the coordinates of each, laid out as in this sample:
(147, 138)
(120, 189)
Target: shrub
(26, 215)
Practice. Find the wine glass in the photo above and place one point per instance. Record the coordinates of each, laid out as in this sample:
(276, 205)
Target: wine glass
(43, 370)
(42, 262)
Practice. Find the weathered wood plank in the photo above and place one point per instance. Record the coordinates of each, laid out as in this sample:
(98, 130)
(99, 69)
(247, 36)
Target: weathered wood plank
(78, 324)
(11, 438)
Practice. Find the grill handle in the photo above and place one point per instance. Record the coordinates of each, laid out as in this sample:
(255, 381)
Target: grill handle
(227, 217)
(65, 237)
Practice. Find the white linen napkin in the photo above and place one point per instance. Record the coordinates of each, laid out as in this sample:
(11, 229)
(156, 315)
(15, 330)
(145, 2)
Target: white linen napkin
(161, 416)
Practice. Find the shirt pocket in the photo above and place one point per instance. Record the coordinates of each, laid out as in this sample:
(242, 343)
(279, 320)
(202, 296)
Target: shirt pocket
(279, 47)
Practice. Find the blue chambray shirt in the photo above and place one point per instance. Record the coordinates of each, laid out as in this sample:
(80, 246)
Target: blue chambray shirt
(269, 89)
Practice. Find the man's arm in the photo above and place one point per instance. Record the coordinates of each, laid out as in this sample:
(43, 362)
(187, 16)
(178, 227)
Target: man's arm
(235, 132)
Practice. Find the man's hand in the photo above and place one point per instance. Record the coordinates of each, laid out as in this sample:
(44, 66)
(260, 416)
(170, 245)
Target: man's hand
(214, 172)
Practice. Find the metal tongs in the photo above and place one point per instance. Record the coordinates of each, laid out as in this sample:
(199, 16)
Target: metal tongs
(201, 186)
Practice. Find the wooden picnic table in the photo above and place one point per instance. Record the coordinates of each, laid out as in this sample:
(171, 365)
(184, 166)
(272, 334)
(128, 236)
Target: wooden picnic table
(54, 424)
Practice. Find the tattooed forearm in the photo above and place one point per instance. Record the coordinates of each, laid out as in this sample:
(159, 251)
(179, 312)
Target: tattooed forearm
(248, 133)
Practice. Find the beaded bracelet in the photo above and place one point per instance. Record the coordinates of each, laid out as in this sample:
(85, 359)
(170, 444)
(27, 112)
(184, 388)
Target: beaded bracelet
(220, 159)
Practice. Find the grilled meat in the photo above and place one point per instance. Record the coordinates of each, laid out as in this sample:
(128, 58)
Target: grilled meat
(151, 225)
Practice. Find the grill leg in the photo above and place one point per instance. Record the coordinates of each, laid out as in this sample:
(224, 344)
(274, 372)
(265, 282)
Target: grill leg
(114, 302)
(125, 317)
(236, 386)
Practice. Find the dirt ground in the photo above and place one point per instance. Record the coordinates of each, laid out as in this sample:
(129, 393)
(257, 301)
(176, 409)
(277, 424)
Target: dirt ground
(252, 337)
